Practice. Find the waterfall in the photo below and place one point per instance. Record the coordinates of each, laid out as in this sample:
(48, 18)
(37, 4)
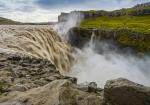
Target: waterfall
(41, 42)
(87, 64)
(92, 65)
(92, 39)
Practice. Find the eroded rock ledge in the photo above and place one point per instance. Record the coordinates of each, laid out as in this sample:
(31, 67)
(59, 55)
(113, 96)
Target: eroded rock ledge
(30, 81)
(122, 38)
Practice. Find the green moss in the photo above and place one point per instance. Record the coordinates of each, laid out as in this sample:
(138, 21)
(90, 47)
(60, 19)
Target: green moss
(138, 41)
(125, 37)
(131, 27)
(135, 23)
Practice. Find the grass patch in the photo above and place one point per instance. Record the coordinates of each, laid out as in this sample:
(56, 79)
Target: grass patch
(135, 23)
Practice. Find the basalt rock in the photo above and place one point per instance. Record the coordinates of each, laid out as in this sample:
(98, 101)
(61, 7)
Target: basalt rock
(122, 38)
(58, 92)
(124, 92)
(20, 73)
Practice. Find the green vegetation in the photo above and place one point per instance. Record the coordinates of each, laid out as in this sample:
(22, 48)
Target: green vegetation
(135, 23)
(132, 31)
(138, 41)
(130, 26)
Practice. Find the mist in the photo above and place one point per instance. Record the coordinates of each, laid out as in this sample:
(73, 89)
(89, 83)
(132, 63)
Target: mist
(103, 63)
(73, 20)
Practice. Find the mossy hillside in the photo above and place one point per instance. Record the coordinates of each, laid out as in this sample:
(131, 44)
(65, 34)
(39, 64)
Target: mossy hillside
(135, 23)
(133, 31)
(138, 10)
(124, 37)
(138, 41)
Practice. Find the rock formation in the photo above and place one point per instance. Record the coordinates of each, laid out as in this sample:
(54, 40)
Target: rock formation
(124, 92)
(78, 37)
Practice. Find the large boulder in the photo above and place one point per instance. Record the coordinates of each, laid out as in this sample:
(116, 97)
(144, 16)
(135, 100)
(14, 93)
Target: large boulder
(20, 72)
(124, 92)
(58, 92)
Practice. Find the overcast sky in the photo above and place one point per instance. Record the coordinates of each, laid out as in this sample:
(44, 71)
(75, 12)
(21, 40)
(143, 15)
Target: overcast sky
(48, 10)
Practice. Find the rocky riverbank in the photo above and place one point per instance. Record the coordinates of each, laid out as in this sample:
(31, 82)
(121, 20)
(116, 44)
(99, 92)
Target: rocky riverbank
(31, 81)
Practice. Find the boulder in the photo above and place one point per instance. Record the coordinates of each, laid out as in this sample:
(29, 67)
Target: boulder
(124, 92)
(20, 72)
(58, 92)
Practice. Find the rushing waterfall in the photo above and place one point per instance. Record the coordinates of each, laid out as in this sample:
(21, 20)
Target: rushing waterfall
(93, 39)
(40, 42)
(99, 62)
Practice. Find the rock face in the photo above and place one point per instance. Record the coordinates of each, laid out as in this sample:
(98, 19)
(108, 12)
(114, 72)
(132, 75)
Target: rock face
(123, 38)
(20, 73)
(74, 16)
(125, 92)
(59, 92)
(63, 17)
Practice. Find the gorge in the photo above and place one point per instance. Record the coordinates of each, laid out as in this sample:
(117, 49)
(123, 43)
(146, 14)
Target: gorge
(77, 62)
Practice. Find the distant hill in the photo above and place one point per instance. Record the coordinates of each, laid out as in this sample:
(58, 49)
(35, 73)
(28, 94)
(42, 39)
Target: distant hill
(138, 10)
(142, 5)
(4, 21)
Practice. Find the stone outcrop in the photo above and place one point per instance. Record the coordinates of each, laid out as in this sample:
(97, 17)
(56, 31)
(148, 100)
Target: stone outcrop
(124, 92)
(123, 38)
(73, 16)
(59, 92)
(20, 73)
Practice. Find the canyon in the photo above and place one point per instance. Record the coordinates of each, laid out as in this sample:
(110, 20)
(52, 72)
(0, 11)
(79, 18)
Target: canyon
(77, 62)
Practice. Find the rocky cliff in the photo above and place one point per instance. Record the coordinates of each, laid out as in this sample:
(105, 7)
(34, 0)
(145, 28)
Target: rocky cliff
(138, 10)
(121, 37)
(125, 27)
